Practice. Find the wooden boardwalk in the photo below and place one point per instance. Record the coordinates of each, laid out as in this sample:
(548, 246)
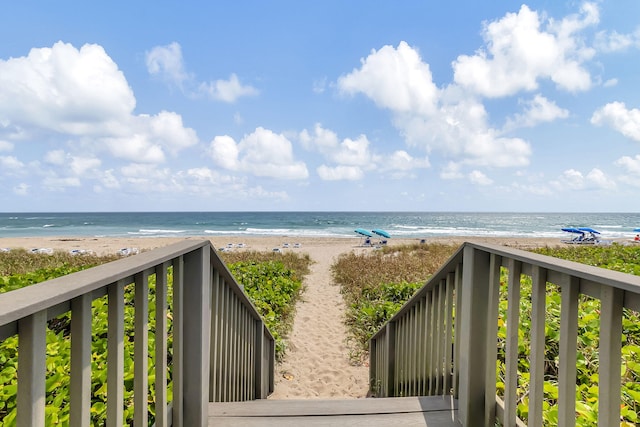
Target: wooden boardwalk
(396, 411)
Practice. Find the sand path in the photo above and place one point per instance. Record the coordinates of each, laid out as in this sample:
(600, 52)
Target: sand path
(316, 364)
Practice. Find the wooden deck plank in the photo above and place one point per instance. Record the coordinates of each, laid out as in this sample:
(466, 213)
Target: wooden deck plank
(402, 411)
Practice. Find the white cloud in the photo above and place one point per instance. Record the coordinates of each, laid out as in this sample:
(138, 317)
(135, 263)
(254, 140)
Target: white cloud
(5, 146)
(227, 90)
(396, 79)
(479, 178)
(167, 129)
(618, 117)
(339, 173)
(353, 152)
(355, 155)
(81, 95)
(615, 42)
(610, 83)
(56, 183)
(630, 170)
(75, 165)
(224, 152)
(451, 171)
(261, 153)
(166, 62)
(402, 161)
(65, 90)
(21, 189)
(448, 121)
(10, 163)
(520, 52)
(538, 110)
(595, 179)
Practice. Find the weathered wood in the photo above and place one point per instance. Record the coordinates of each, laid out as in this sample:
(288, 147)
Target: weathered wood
(610, 357)
(115, 354)
(512, 354)
(567, 353)
(196, 336)
(32, 345)
(414, 411)
(536, 393)
(473, 341)
(80, 384)
(140, 352)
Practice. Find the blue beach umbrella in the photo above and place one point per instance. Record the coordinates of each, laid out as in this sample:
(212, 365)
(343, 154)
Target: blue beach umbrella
(363, 232)
(588, 230)
(382, 233)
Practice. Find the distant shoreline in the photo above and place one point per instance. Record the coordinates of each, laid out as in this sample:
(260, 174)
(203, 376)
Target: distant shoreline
(110, 245)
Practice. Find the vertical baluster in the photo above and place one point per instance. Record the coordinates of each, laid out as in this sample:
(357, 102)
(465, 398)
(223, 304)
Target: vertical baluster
(391, 360)
(567, 352)
(225, 344)
(456, 330)
(234, 349)
(420, 343)
(141, 346)
(414, 351)
(32, 357)
(433, 338)
(511, 362)
(161, 346)
(536, 377)
(448, 351)
(80, 386)
(178, 342)
(610, 356)
(428, 342)
(115, 354)
(493, 300)
(215, 348)
(258, 355)
(441, 338)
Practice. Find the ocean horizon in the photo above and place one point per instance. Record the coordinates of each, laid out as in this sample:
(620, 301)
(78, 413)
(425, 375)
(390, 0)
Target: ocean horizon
(312, 224)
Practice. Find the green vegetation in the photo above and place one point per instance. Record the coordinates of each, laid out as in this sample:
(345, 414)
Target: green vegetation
(272, 281)
(376, 285)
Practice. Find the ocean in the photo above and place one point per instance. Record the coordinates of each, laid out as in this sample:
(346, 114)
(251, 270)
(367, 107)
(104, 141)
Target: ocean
(310, 224)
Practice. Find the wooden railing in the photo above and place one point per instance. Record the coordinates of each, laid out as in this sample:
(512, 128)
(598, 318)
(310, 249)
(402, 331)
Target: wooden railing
(444, 340)
(221, 350)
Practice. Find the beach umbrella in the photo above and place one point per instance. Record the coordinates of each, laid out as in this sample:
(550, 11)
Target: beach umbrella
(363, 232)
(382, 233)
(588, 230)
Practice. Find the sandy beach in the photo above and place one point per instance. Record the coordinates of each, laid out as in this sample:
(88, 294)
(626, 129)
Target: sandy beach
(316, 364)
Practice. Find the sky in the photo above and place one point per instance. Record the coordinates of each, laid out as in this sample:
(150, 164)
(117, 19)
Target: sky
(320, 106)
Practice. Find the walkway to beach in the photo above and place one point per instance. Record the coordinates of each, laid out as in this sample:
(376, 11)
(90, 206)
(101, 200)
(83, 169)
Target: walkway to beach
(316, 364)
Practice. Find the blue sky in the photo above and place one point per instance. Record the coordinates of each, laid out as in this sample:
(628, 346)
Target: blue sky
(291, 105)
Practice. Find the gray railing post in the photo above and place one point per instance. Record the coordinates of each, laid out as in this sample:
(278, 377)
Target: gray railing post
(259, 360)
(391, 358)
(473, 340)
(195, 331)
(32, 346)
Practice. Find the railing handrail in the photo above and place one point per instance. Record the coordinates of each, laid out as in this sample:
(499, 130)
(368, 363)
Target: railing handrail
(616, 279)
(25, 301)
(419, 349)
(207, 301)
